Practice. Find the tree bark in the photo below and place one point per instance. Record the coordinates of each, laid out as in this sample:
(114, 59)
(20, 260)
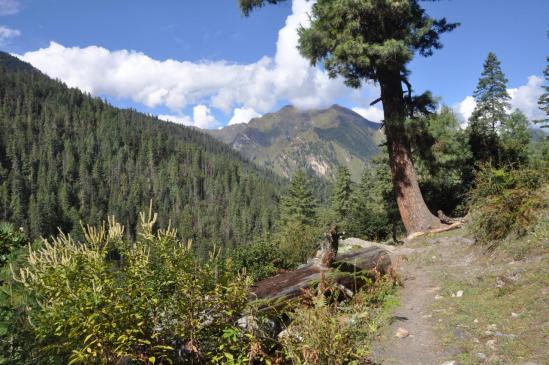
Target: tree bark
(413, 210)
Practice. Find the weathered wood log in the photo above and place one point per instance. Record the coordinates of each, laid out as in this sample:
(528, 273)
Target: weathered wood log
(342, 271)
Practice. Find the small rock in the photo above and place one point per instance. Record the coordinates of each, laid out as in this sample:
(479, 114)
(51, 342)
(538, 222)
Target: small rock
(401, 333)
(492, 327)
(467, 241)
(248, 323)
(427, 316)
(482, 356)
(459, 333)
(437, 297)
(459, 293)
(505, 335)
(514, 315)
(434, 257)
(449, 363)
(475, 321)
(491, 344)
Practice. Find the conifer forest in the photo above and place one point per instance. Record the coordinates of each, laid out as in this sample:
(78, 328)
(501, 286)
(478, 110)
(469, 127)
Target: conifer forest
(274, 182)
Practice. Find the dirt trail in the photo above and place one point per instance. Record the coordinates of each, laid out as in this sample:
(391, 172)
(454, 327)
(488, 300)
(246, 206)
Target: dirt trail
(421, 346)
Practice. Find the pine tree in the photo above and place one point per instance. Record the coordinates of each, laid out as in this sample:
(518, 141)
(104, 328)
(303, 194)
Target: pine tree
(342, 193)
(442, 157)
(375, 40)
(373, 210)
(514, 136)
(543, 101)
(491, 110)
(299, 204)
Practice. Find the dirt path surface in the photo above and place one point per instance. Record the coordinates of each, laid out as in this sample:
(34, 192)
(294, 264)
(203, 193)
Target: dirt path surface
(418, 344)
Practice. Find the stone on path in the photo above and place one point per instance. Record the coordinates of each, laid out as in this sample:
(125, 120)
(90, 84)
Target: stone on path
(401, 332)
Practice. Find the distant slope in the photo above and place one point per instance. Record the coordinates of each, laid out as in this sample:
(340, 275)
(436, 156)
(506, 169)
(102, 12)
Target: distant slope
(66, 157)
(318, 140)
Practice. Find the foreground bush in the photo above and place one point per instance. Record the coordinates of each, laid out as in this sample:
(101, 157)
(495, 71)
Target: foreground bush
(508, 201)
(11, 239)
(291, 245)
(107, 301)
(332, 333)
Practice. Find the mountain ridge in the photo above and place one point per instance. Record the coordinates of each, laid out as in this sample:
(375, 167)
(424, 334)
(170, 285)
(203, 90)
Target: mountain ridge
(318, 140)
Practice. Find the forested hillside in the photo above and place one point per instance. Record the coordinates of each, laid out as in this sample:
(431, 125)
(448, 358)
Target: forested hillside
(66, 157)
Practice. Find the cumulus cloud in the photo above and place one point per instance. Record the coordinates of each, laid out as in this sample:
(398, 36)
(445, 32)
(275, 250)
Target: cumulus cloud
(525, 98)
(202, 118)
(179, 119)
(464, 109)
(243, 115)
(222, 85)
(8, 33)
(371, 113)
(9, 7)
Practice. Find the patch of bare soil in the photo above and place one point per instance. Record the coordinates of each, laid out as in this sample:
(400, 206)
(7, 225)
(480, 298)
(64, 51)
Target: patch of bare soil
(411, 339)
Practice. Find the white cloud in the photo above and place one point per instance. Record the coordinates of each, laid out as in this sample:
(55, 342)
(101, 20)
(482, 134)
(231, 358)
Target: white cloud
(371, 113)
(525, 98)
(223, 85)
(179, 119)
(8, 33)
(9, 7)
(464, 109)
(202, 118)
(243, 115)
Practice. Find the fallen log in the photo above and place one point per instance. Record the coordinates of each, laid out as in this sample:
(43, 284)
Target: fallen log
(342, 271)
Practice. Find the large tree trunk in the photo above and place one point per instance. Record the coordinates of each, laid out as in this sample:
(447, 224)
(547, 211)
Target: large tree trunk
(413, 210)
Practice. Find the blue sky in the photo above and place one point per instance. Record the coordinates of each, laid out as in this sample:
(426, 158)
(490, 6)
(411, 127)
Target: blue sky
(203, 63)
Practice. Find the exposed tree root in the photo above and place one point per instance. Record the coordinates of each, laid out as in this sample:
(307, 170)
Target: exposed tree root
(450, 227)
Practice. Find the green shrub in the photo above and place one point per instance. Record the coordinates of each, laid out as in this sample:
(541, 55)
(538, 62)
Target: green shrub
(107, 299)
(297, 242)
(11, 239)
(332, 333)
(260, 259)
(506, 202)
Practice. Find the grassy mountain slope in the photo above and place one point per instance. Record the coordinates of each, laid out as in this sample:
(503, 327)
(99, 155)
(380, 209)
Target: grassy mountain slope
(317, 140)
(67, 157)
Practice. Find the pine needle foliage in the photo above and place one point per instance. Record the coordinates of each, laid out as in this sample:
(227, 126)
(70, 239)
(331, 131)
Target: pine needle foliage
(299, 203)
(491, 110)
(543, 101)
(341, 194)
